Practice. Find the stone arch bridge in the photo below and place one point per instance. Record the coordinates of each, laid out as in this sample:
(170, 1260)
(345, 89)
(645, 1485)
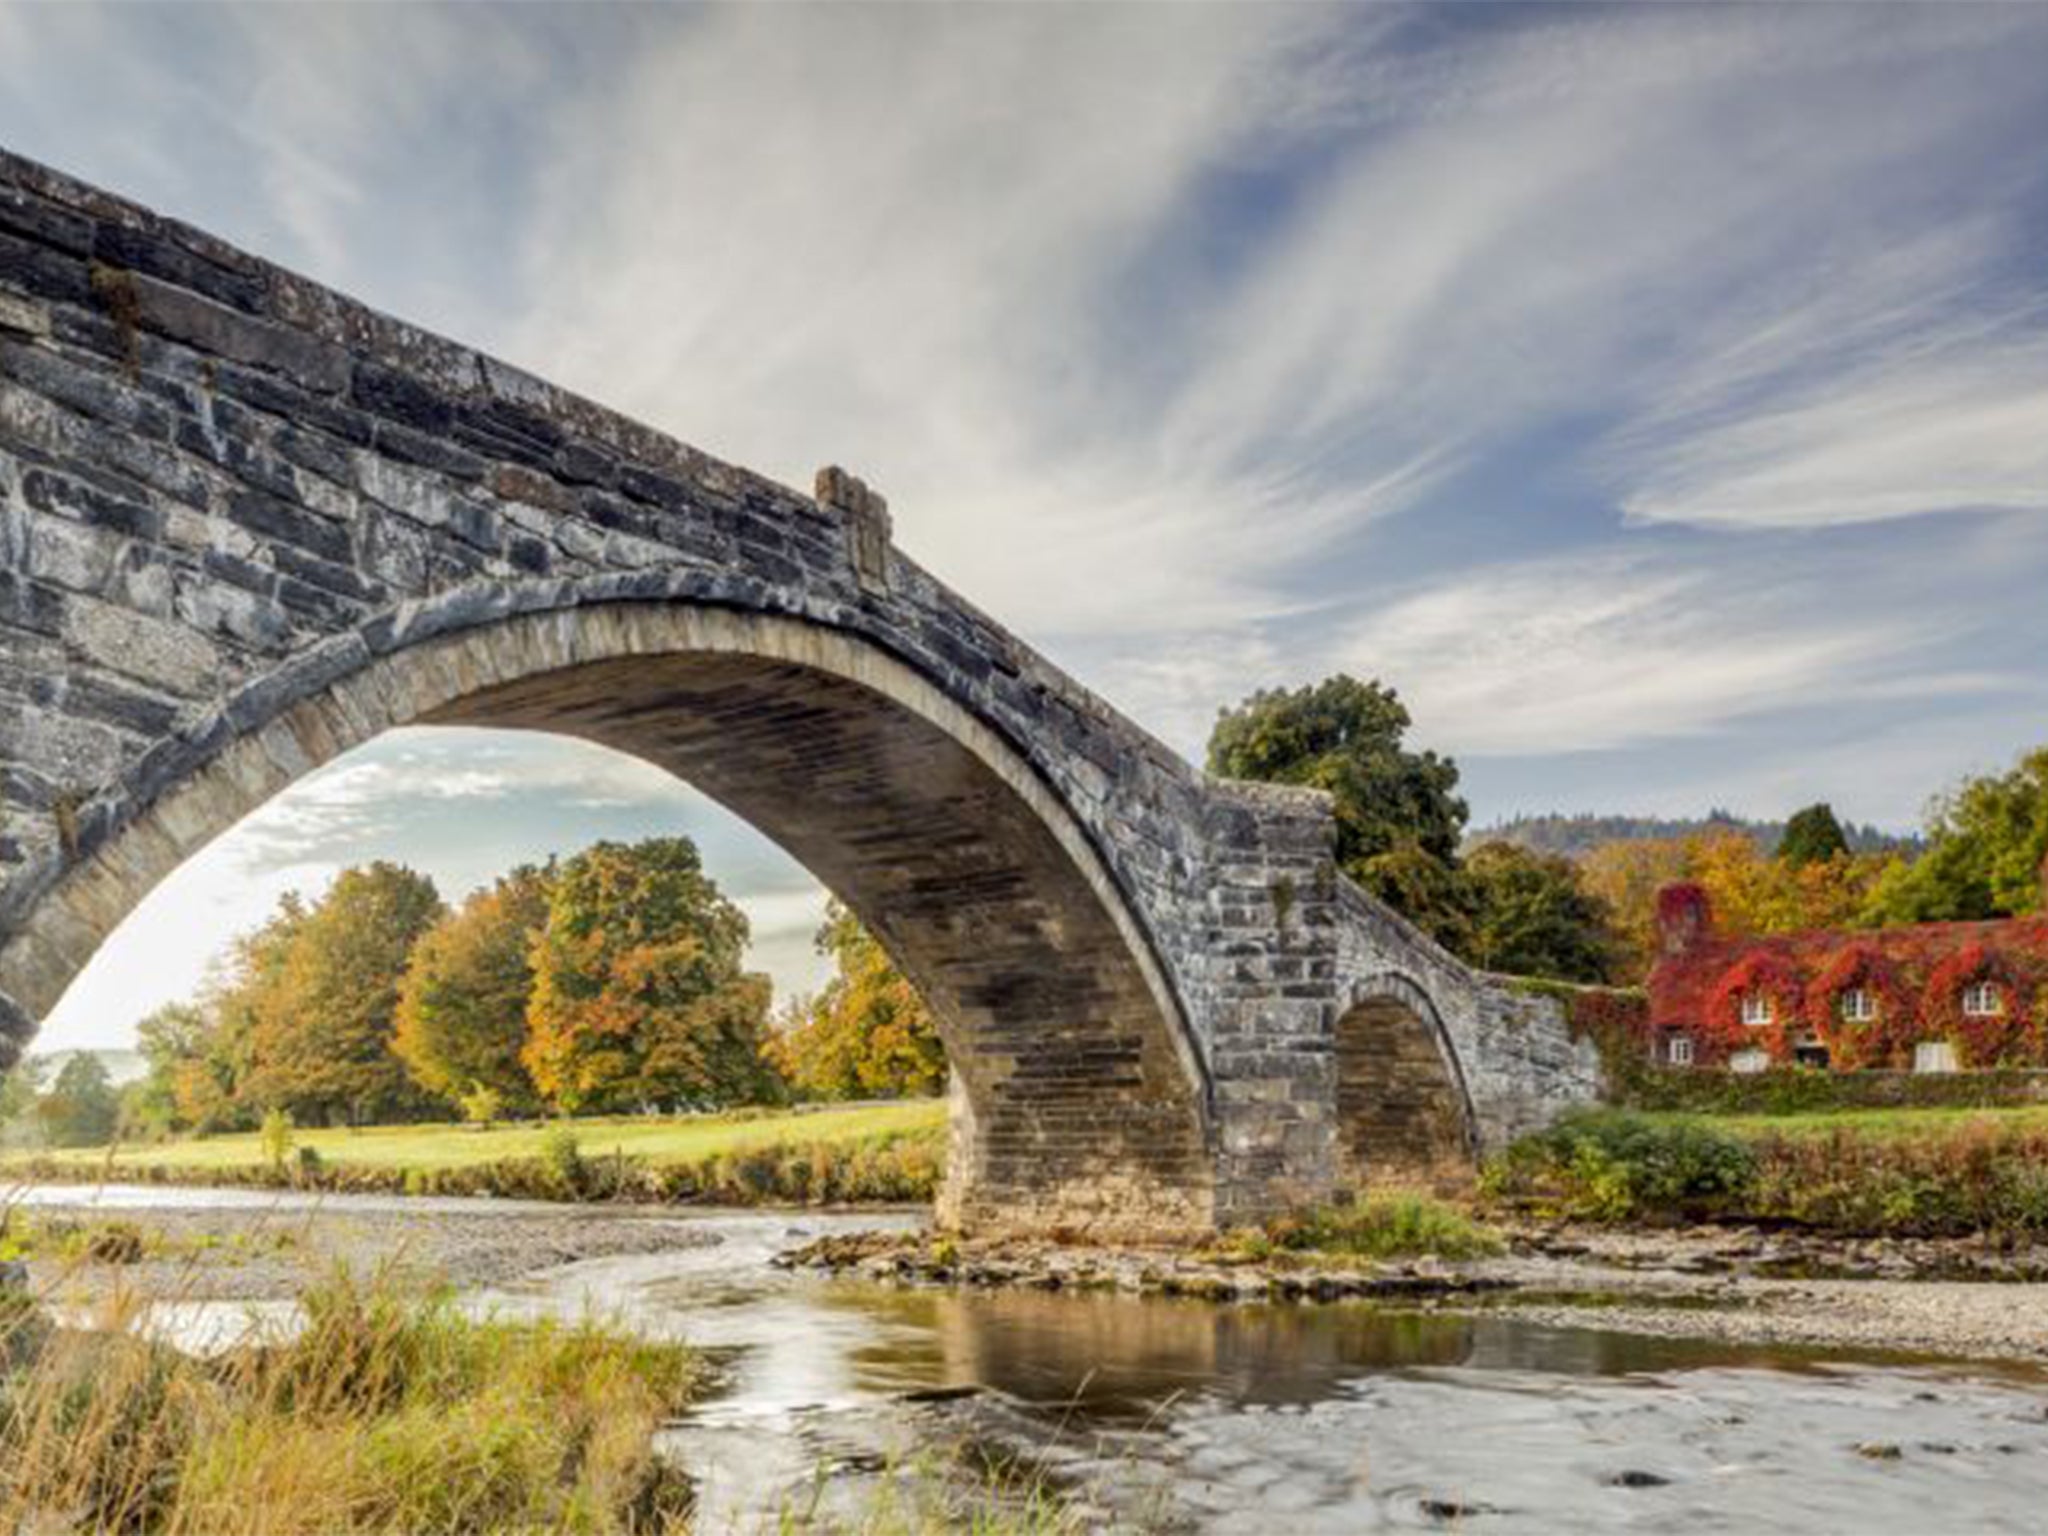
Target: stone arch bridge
(246, 524)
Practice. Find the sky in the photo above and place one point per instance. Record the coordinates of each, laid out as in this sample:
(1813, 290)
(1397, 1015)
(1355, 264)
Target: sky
(1657, 397)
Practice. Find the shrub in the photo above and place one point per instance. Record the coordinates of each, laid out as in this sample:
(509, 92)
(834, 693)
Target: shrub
(1385, 1224)
(276, 1135)
(1615, 1166)
(561, 1157)
(1802, 1090)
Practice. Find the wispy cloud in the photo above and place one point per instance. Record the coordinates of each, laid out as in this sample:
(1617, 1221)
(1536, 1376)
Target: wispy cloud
(1587, 653)
(1599, 375)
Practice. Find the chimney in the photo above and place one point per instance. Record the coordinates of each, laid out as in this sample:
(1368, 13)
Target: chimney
(1684, 917)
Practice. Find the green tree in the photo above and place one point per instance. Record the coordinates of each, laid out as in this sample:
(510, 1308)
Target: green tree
(1985, 845)
(243, 992)
(322, 1037)
(867, 1034)
(81, 1109)
(1399, 817)
(462, 1004)
(20, 1087)
(1532, 916)
(639, 999)
(1813, 836)
(176, 1042)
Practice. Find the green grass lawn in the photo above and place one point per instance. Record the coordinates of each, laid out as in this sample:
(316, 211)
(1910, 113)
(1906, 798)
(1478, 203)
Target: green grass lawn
(433, 1147)
(1882, 1124)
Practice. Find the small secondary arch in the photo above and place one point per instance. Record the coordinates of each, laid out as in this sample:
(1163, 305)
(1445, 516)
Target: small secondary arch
(1404, 1114)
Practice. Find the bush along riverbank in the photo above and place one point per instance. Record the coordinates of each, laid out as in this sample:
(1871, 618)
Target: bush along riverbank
(896, 1168)
(1972, 1177)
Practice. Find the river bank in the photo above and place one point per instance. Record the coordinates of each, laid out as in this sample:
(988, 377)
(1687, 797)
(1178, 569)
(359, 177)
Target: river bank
(268, 1252)
(1936, 1298)
(1584, 1380)
(1939, 1298)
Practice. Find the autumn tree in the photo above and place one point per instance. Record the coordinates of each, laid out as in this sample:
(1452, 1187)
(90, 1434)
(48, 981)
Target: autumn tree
(1985, 844)
(867, 1034)
(639, 999)
(1531, 916)
(1750, 892)
(1398, 815)
(323, 1019)
(462, 1004)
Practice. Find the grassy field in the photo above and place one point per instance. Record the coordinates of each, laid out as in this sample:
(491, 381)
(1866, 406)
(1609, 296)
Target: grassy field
(1879, 1124)
(435, 1148)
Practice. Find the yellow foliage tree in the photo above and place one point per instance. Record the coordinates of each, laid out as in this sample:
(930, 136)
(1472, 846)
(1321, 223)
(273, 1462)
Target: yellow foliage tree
(1750, 891)
(867, 1034)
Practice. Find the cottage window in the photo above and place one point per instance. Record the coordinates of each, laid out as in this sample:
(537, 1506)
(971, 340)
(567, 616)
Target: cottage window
(1859, 1005)
(1756, 1009)
(1982, 1000)
(1751, 1060)
(1934, 1056)
(1681, 1050)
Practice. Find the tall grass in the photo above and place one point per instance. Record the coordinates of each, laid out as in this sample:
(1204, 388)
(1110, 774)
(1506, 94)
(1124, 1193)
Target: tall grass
(1385, 1224)
(389, 1412)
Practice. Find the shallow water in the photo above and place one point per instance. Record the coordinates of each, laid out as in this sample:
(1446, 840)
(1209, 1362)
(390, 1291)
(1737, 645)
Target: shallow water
(1186, 1416)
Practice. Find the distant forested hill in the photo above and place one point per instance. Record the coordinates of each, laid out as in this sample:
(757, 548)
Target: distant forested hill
(1579, 834)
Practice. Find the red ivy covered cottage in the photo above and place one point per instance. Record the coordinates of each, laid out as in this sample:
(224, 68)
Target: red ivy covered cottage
(1933, 997)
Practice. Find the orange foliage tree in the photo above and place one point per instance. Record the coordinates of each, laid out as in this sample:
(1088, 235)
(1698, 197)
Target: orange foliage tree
(639, 1000)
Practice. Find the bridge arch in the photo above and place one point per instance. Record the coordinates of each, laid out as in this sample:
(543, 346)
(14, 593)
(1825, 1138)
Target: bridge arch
(1404, 1111)
(1081, 1097)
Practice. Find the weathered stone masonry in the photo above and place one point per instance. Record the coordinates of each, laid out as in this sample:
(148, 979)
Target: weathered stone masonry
(246, 523)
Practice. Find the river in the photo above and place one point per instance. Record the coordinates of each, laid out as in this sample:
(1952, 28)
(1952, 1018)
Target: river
(1163, 1414)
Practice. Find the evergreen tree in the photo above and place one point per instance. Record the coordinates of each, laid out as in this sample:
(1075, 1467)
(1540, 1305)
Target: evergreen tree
(1813, 836)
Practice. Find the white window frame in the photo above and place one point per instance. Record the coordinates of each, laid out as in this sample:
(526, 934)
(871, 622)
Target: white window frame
(1757, 1010)
(1857, 1005)
(1934, 1056)
(1983, 1000)
(1745, 1062)
(1678, 1050)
